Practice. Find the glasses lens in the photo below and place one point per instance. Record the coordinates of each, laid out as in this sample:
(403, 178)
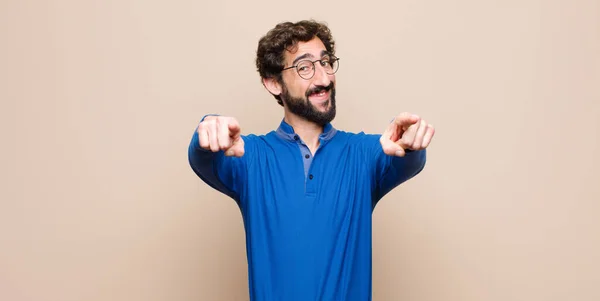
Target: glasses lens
(306, 69)
(332, 66)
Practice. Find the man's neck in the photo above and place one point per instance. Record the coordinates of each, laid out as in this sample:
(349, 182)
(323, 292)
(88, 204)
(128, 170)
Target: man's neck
(308, 131)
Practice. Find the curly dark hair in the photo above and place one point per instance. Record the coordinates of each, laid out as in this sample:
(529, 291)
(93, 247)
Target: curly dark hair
(285, 36)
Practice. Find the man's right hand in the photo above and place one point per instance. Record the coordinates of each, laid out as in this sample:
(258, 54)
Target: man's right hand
(218, 133)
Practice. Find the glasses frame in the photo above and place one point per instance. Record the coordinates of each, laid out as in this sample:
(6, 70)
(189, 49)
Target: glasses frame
(332, 60)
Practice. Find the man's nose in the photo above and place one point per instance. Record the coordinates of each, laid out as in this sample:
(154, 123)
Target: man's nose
(321, 78)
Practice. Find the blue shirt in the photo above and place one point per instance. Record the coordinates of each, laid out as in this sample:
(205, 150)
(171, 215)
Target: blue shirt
(307, 217)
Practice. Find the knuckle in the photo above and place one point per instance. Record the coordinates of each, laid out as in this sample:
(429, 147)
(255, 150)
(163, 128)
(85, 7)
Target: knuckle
(430, 131)
(208, 124)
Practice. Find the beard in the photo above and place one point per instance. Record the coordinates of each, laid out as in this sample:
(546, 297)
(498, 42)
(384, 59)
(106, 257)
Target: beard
(302, 107)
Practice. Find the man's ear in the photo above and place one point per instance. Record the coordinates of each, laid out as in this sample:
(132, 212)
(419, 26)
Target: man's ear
(272, 85)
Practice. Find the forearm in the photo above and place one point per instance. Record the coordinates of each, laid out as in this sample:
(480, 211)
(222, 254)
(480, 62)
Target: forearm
(405, 168)
(401, 169)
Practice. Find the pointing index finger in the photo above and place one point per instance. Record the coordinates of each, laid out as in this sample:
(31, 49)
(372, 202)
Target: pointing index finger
(406, 119)
(234, 128)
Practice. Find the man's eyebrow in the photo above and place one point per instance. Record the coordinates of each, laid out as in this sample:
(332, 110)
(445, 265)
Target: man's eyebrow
(306, 55)
(325, 52)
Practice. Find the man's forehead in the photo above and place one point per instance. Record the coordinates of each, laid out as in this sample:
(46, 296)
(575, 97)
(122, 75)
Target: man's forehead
(312, 48)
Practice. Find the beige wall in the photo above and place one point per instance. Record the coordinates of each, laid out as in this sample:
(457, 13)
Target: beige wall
(99, 101)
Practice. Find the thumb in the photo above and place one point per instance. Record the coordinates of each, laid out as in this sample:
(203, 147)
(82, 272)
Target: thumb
(390, 148)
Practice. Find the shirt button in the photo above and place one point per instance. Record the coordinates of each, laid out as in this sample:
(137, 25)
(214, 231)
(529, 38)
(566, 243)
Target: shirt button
(296, 137)
(310, 177)
(307, 156)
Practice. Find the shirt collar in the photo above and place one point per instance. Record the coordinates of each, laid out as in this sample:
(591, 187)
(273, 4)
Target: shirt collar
(286, 132)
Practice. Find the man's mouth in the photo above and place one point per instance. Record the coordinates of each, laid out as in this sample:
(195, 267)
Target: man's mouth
(320, 95)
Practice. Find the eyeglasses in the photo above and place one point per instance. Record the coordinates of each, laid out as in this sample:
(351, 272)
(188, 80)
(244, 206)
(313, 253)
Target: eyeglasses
(306, 68)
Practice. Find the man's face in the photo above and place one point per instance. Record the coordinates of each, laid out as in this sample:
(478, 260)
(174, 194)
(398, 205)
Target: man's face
(312, 99)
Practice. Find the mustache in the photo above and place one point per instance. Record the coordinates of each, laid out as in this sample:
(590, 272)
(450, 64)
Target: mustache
(319, 89)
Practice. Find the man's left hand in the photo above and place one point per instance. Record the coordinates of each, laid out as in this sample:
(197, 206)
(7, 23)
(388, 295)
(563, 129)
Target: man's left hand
(406, 132)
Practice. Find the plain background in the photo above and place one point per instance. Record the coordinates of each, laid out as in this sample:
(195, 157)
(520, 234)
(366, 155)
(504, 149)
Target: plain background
(100, 99)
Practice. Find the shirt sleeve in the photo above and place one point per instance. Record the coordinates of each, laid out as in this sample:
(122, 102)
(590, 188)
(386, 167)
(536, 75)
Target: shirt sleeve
(223, 173)
(391, 171)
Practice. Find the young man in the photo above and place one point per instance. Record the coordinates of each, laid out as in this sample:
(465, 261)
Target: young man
(306, 190)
